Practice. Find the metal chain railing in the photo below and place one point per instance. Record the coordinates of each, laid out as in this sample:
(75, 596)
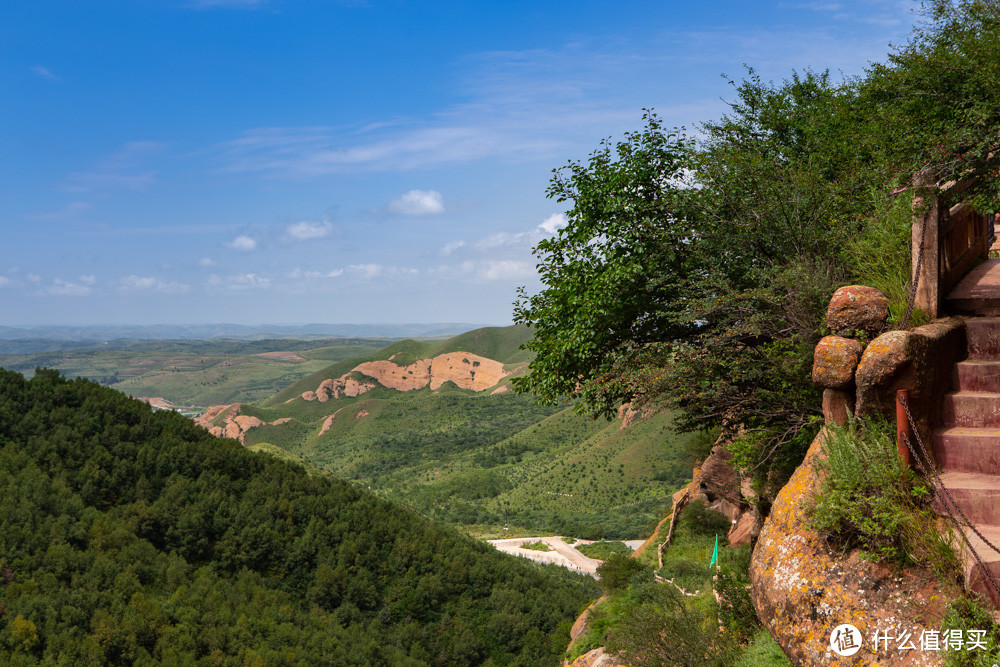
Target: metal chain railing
(931, 474)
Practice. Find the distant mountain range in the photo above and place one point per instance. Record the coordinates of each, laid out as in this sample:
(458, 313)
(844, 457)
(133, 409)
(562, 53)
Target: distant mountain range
(238, 331)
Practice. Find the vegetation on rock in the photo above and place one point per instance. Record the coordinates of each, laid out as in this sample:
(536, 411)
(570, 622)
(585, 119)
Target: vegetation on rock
(868, 500)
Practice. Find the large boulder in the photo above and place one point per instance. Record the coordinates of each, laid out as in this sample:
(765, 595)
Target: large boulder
(835, 361)
(803, 591)
(857, 308)
(884, 358)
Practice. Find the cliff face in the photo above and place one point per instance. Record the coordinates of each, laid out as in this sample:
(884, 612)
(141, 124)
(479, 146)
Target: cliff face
(802, 590)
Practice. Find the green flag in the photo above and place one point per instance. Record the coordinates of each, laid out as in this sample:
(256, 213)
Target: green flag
(715, 554)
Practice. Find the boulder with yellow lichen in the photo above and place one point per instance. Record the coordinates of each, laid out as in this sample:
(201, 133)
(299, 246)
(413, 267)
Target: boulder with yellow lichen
(802, 590)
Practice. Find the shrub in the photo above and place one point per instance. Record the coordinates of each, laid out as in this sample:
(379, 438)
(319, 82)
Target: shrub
(972, 613)
(665, 629)
(618, 570)
(869, 500)
(603, 550)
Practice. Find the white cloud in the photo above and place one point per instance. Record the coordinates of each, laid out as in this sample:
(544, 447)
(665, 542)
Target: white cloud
(243, 243)
(451, 247)
(34, 278)
(88, 280)
(4, 281)
(503, 270)
(134, 283)
(206, 262)
(44, 72)
(418, 202)
(61, 287)
(243, 281)
(298, 274)
(367, 271)
(305, 231)
(553, 223)
(506, 239)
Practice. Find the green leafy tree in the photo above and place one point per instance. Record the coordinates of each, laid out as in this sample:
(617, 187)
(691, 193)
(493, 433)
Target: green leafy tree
(617, 273)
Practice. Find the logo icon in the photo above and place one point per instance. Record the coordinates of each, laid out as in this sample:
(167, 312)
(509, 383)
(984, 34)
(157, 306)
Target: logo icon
(845, 640)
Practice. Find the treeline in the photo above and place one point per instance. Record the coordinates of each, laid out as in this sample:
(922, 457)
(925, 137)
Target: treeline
(128, 536)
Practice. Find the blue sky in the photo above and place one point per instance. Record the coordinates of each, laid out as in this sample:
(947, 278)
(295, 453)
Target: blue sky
(293, 161)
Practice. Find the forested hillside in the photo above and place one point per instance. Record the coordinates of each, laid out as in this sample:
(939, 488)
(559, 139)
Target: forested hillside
(128, 535)
(477, 456)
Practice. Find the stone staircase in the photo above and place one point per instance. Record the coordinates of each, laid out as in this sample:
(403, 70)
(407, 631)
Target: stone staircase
(967, 447)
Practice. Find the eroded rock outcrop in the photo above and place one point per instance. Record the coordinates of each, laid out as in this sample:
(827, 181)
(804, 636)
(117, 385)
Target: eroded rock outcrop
(466, 370)
(347, 385)
(802, 590)
(230, 423)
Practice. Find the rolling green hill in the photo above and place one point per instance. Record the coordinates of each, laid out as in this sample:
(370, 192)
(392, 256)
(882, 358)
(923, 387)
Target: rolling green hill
(467, 456)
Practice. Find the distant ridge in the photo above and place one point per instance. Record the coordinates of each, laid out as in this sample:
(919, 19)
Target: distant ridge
(238, 331)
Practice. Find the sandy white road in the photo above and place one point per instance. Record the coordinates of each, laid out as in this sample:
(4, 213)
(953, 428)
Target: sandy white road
(561, 554)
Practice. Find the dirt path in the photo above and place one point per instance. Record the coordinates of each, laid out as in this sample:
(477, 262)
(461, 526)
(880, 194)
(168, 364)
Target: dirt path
(561, 554)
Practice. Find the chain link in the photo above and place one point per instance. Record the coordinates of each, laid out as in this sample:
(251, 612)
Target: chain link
(930, 473)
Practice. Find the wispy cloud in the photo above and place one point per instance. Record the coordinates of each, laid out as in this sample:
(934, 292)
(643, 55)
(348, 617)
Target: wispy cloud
(451, 247)
(366, 271)
(61, 287)
(547, 104)
(243, 243)
(67, 212)
(418, 202)
(504, 270)
(44, 72)
(5, 281)
(239, 282)
(134, 283)
(123, 170)
(298, 274)
(307, 231)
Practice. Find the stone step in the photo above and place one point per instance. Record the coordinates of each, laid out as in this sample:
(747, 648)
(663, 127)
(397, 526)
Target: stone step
(978, 495)
(983, 334)
(962, 449)
(978, 293)
(978, 375)
(975, 578)
(975, 409)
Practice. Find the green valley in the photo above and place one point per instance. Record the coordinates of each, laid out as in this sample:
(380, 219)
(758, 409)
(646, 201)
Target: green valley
(475, 454)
